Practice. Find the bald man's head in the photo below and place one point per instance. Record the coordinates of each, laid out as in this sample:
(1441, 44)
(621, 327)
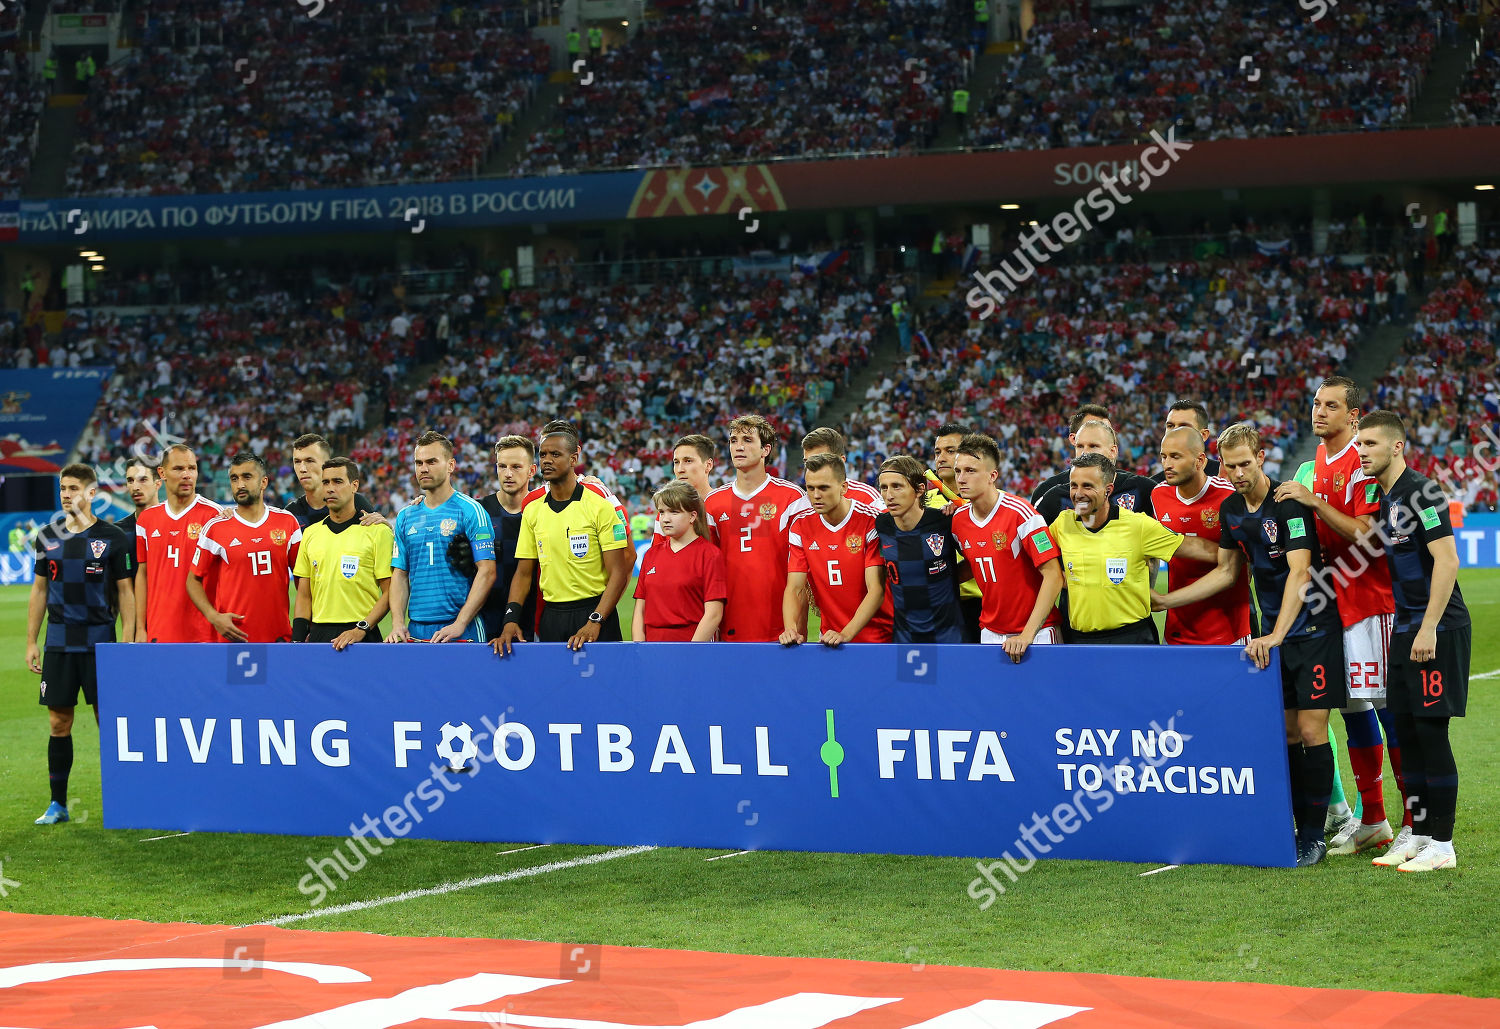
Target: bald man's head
(1183, 458)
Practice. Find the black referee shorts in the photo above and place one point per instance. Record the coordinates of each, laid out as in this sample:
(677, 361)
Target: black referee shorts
(1136, 633)
(64, 675)
(327, 632)
(559, 622)
(1433, 689)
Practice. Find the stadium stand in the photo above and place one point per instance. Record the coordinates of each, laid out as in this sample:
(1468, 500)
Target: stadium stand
(1446, 381)
(747, 86)
(353, 97)
(1249, 337)
(1133, 69)
(1478, 99)
(23, 95)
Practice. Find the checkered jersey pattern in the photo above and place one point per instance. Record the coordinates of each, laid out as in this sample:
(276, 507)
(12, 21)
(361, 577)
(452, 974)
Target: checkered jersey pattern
(81, 570)
(920, 572)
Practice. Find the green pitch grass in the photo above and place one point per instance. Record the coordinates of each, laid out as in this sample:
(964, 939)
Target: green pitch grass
(1343, 924)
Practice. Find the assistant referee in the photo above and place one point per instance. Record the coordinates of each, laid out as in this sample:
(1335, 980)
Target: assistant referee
(581, 547)
(343, 567)
(1104, 550)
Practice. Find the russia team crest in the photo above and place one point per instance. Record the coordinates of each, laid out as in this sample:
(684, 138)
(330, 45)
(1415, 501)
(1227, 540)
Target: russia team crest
(1269, 525)
(854, 542)
(1000, 540)
(194, 529)
(1210, 516)
(447, 526)
(278, 536)
(935, 544)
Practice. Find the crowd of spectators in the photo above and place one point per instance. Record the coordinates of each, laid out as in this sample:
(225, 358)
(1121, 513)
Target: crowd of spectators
(1128, 70)
(276, 99)
(1251, 338)
(1446, 382)
(1477, 101)
(23, 96)
(800, 79)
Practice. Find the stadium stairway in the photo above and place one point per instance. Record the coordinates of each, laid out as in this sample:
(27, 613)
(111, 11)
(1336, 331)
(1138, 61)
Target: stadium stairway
(988, 69)
(1449, 65)
(885, 357)
(547, 96)
(1366, 364)
(59, 129)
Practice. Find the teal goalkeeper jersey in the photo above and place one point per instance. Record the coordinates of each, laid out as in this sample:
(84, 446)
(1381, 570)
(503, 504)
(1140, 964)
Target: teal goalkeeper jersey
(423, 535)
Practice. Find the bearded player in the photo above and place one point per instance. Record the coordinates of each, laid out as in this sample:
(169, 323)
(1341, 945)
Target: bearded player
(166, 537)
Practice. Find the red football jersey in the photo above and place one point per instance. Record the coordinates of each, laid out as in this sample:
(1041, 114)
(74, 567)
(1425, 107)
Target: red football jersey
(753, 539)
(164, 546)
(1225, 617)
(835, 558)
(676, 584)
(1007, 549)
(866, 494)
(1342, 483)
(252, 565)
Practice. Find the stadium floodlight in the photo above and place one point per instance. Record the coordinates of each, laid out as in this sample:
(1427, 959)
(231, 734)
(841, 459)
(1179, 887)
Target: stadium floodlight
(98, 258)
(1484, 187)
(88, 253)
(1010, 207)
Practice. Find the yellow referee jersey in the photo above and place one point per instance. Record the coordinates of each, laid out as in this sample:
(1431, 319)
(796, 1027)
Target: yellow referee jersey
(569, 541)
(344, 563)
(1106, 572)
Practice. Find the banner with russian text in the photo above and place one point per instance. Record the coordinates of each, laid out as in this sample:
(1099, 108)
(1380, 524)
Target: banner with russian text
(1169, 754)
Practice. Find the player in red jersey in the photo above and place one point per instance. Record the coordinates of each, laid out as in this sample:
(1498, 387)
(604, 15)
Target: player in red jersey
(1346, 503)
(1188, 502)
(1015, 560)
(835, 548)
(751, 515)
(249, 556)
(693, 463)
(824, 440)
(166, 537)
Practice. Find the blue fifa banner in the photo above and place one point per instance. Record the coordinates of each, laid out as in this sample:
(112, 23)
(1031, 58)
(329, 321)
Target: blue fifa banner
(411, 208)
(1172, 754)
(43, 411)
(1478, 541)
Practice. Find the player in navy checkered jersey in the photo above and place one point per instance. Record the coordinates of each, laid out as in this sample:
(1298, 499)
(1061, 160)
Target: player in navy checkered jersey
(922, 569)
(85, 569)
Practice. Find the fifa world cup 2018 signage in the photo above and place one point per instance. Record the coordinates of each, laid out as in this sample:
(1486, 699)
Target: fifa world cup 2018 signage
(1172, 754)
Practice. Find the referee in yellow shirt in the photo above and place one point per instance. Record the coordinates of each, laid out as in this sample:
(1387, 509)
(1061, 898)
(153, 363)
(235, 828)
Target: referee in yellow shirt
(343, 568)
(578, 542)
(1104, 550)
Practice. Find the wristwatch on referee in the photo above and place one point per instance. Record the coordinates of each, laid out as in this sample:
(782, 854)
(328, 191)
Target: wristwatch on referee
(362, 625)
(596, 618)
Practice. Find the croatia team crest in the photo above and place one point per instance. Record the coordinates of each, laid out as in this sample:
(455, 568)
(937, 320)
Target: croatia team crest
(1000, 540)
(1269, 525)
(935, 544)
(278, 536)
(98, 547)
(1210, 516)
(349, 565)
(194, 529)
(447, 526)
(1127, 501)
(854, 542)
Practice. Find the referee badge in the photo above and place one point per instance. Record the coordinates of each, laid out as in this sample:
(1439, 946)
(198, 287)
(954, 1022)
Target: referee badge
(1114, 567)
(349, 565)
(579, 542)
(98, 547)
(448, 526)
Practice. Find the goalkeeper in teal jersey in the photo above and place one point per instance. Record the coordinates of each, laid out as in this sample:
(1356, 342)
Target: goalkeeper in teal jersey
(444, 560)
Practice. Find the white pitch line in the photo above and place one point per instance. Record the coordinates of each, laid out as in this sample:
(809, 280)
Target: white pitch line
(1163, 868)
(462, 884)
(172, 836)
(1486, 675)
(535, 846)
(721, 857)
